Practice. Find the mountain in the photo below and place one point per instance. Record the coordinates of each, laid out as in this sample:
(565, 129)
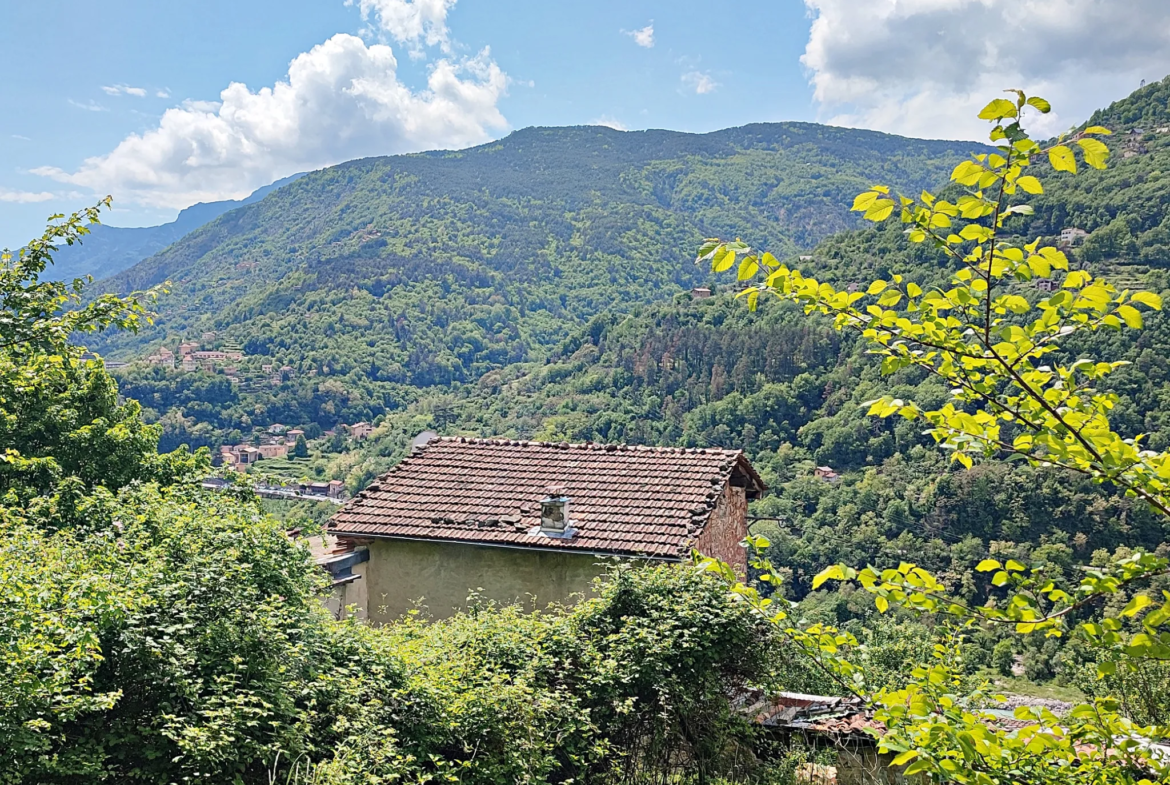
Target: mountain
(435, 268)
(112, 249)
(536, 288)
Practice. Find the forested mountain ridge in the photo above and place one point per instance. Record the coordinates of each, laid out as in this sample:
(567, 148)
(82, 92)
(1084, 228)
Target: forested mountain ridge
(109, 250)
(453, 263)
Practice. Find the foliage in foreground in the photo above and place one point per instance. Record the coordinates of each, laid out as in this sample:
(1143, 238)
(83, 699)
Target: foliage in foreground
(1013, 395)
(186, 641)
(157, 633)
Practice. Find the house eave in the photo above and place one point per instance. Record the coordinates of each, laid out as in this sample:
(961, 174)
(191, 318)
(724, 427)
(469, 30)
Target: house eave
(510, 546)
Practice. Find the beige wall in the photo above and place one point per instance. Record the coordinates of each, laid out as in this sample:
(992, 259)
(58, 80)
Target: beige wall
(442, 575)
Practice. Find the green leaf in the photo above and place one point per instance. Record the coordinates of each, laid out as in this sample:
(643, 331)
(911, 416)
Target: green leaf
(1016, 304)
(1062, 159)
(1097, 129)
(1132, 316)
(998, 109)
(904, 758)
(748, 268)
(987, 565)
(863, 201)
(723, 260)
(1040, 104)
(1095, 152)
(829, 573)
(1136, 605)
(1148, 299)
(880, 210)
(877, 287)
(882, 604)
(1030, 184)
(999, 579)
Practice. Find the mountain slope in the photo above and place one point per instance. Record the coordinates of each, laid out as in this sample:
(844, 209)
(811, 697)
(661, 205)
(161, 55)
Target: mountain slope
(434, 268)
(111, 249)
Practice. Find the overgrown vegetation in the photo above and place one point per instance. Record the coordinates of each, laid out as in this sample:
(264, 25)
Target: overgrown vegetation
(1016, 394)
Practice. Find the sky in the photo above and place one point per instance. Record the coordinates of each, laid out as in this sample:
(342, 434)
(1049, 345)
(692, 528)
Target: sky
(164, 104)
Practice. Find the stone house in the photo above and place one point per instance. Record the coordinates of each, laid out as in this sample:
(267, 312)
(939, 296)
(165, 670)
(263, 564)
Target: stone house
(826, 473)
(536, 522)
(273, 450)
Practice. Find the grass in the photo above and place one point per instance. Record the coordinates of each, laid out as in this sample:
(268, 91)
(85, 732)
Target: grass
(1029, 689)
(290, 468)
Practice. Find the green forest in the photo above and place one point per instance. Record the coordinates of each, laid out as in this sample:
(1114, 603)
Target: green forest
(659, 366)
(988, 525)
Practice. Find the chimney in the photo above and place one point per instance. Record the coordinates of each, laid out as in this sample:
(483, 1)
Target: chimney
(554, 510)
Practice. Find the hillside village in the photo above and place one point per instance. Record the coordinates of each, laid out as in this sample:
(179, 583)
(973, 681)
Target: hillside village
(482, 452)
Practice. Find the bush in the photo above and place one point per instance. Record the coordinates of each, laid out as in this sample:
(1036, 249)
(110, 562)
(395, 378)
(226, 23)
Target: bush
(184, 640)
(1003, 657)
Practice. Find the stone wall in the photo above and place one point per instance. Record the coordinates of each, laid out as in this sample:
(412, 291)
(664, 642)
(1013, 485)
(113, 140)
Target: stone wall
(726, 529)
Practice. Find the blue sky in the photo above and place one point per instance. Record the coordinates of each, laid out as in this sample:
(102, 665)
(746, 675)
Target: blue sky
(164, 104)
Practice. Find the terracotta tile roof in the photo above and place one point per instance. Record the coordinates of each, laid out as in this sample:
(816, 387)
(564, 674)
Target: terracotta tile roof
(648, 501)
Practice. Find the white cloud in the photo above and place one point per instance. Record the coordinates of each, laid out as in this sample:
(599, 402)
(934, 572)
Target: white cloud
(609, 122)
(21, 138)
(643, 37)
(341, 100)
(89, 106)
(926, 67)
(163, 93)
(122, 89)
(700, 82)
(411, 22)
(24, 197)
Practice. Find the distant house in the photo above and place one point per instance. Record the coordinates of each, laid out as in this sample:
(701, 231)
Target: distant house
(315, 489)
(162, 357)
(1072, 235)
(277, 428)
(291, 435)
(1047, 285)
(273, 450)
(700, 293)
(189, 364)
(532, 521)
(360, 430)
(826, 473)
(336, 489)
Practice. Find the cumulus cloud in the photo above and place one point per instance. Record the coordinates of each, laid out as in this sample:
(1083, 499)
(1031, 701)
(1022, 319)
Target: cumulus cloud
(926, 67)
(123, 89)
(700, 82)
(24, 197)
(341, 100)
(411, 22)
(609, 122)
(643, 37)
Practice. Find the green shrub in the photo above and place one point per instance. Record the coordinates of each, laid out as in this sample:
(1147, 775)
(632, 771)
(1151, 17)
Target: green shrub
(1003, 657)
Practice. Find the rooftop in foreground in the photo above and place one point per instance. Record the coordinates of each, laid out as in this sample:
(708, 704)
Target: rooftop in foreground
(623, 500)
